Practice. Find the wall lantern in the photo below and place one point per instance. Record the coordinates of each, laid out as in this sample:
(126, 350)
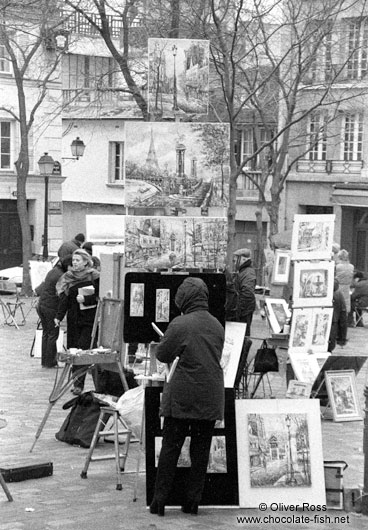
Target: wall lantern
(77, 147)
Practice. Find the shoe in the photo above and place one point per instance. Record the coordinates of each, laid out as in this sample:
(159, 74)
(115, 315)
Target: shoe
(190, 507)
(77, 390)
(158, 508)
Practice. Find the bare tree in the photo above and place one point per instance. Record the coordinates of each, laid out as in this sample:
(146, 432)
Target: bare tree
(23, 30)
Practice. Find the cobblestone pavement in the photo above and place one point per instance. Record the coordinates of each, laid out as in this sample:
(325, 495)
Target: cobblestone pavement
(65, 501)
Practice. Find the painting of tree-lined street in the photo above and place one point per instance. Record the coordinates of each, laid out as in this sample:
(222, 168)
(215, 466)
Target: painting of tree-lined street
(177, 164)
(178, 76)
(175, 242)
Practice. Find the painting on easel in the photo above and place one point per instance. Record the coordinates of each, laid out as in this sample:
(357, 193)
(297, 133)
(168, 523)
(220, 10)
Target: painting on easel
(179, 242)
(182, 165)
(178, 77)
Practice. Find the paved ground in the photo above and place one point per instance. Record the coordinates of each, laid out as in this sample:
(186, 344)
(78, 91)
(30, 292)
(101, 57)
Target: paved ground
(66, 501)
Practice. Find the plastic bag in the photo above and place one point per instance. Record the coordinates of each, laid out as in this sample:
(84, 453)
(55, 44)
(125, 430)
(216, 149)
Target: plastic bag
(130, 407)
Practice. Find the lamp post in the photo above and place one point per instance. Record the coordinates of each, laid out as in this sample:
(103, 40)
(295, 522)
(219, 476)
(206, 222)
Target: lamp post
(291, 480)
(46, 165)
(175, 96)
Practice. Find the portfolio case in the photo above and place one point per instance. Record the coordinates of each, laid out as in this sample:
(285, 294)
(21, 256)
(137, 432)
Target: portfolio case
(19, 472)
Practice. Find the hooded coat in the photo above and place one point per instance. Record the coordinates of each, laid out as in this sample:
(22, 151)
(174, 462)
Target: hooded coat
(196, 389)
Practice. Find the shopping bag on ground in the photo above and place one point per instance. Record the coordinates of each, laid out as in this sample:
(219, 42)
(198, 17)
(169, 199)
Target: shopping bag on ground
(130, 407)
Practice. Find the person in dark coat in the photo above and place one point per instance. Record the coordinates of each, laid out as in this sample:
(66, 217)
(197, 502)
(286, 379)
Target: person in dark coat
(68, 247)
(47, 306)
(194, 398)
(245, 284)
(339, 324)
(80, 309)
(359, 297)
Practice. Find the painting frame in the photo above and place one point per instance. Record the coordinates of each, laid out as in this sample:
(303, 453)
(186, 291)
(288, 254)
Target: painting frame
(338, 407)
(313, 283)
(250, 495)
(281, 267)
(310, 329)
(275, 318)
(231, 352)
(305, 366)
(312, 236)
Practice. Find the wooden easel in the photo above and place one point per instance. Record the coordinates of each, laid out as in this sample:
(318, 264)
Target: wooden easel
(108, 320)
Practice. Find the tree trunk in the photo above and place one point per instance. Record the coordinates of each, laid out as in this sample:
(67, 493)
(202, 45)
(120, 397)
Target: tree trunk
(259, 254)
(25, 227)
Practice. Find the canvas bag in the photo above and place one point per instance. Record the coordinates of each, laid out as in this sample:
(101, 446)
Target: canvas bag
(80, 424)
(266, 359)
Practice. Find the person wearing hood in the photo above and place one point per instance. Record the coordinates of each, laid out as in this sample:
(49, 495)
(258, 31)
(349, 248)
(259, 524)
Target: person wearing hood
(194, 398)
(245, 284)
(80, 309)
(68, 247)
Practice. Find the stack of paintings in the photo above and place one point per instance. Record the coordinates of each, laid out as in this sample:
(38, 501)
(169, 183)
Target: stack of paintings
(311, 251)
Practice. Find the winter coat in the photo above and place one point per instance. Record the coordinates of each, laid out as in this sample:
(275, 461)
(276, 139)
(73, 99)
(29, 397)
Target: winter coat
(344, 273)
(68, 247)
(196, 389)
(76, 317)
(245, 284)
(47, 291)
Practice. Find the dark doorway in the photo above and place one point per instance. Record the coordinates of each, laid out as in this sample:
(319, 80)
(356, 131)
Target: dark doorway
(10, 235)
(361, 240)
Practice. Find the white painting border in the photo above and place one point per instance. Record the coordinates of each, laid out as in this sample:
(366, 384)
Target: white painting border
(324, 250)
(250, 497)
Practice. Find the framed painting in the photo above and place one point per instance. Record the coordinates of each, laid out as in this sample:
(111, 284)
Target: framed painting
(298, 390)
(234, 338)
(313, 283)
(310, 329)
(277, 311)
(305, 366)
(312, 237)
(279, 452)
(281, 268)
(221, 484)
(343, 396)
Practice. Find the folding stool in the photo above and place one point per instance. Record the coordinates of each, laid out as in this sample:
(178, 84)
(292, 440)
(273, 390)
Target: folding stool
(120, 458)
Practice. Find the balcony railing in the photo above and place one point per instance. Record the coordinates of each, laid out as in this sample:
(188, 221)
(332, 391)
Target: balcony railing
(349, 167)
(247, 187)
(77, 23)
(88, 96)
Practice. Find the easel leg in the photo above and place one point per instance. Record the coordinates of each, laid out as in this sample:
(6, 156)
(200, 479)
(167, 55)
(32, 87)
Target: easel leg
(141, 438)
(5, 488)
(56, 394)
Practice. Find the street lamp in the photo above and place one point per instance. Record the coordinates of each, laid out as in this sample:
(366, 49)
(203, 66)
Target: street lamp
(46, 165)
(77, 147)
(292, 479)
(175, 96)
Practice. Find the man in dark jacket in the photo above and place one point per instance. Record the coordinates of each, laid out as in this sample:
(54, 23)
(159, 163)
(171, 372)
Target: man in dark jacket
(47, 307)
(194, 398)
(359, 297)
(245, 284)
(68, 247)
(339, 319)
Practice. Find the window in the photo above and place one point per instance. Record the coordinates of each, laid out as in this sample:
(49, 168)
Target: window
(4, 60)
(352, 133)
(4, 144)
(249, 145)
(317, 133)
(89, 72)
(116, 161)
(357, 48)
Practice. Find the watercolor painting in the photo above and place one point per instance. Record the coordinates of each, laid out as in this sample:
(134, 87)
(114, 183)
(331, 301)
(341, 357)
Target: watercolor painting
(137, 300)
(312, 236)
(178, 77)
(176, 165)
(175, 242)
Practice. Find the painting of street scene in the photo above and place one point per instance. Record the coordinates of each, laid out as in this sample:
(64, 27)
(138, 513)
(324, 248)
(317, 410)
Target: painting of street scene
(217, 459)
(177, 165)
(279, 450)
(177, 77)
(313, 283)
(175, 242)
(312, 236)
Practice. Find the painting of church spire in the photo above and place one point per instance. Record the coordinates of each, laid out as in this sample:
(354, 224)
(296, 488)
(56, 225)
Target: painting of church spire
(151, 160)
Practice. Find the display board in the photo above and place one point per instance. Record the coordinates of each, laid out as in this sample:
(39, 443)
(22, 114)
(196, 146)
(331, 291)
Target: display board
(150, 297)
(221, 486)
